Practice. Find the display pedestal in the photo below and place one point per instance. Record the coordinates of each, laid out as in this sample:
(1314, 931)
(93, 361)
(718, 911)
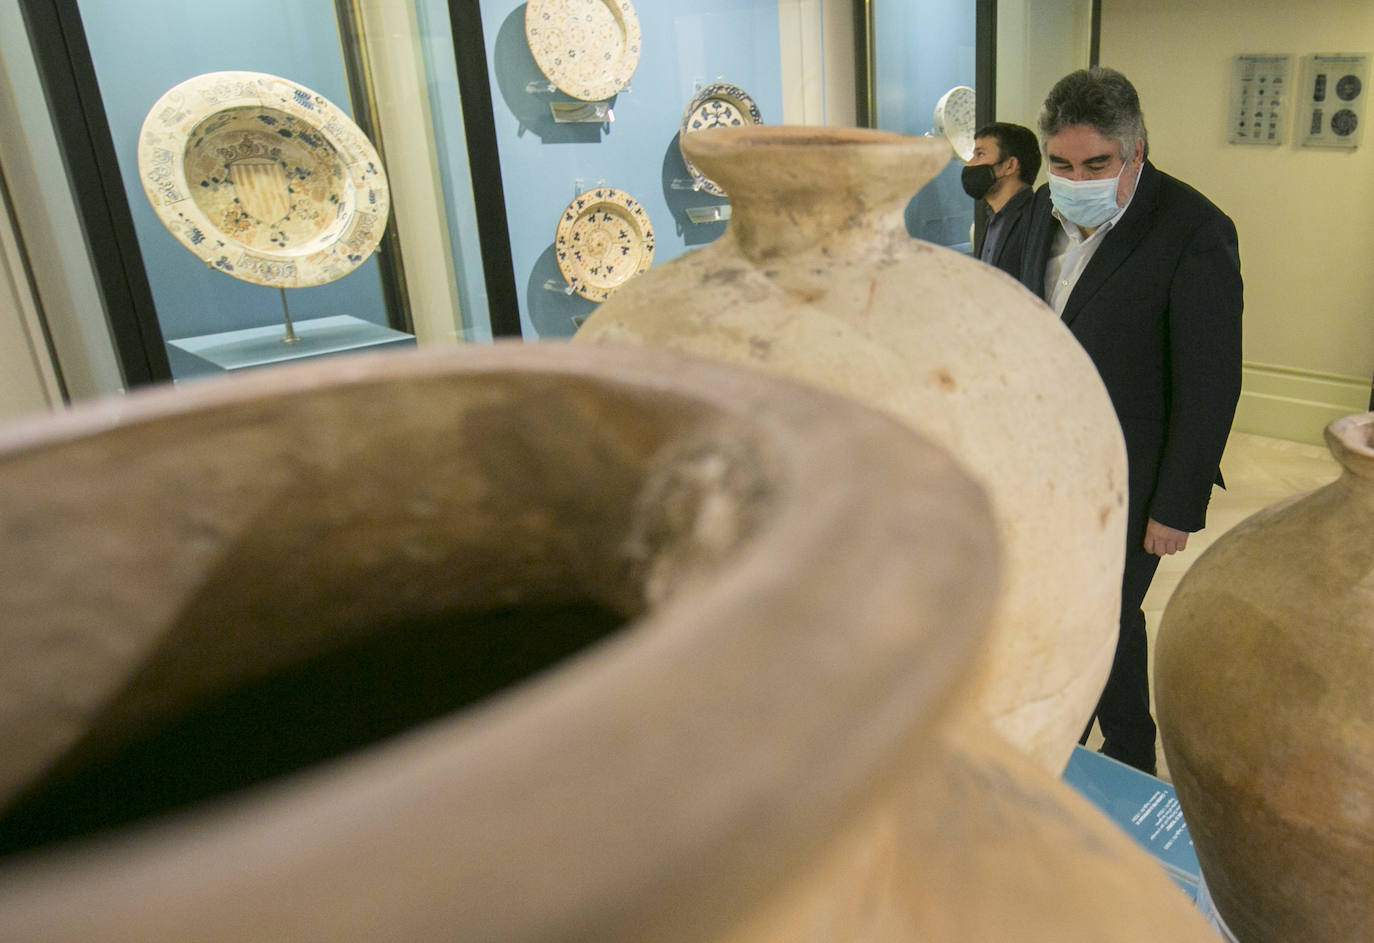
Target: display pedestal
(261, 346)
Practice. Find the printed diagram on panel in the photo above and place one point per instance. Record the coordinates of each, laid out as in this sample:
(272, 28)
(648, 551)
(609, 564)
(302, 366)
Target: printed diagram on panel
(1260, 95)
(1332, 104)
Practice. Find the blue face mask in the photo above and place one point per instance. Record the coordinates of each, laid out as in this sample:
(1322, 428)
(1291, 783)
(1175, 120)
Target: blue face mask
(1088, 203)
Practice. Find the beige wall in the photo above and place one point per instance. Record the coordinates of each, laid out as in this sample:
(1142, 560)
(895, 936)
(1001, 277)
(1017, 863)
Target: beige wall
(28, 380)
(1038, 42)
(52, 241)
(816, 42)
(1305, 215)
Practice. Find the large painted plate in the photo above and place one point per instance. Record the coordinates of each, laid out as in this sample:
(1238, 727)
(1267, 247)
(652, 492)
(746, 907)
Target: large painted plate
(263, 178)
(603, 240)
(955, 120)
(718, 105)
(588, 48)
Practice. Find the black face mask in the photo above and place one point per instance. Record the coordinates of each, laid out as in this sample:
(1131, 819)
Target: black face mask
(978, 179)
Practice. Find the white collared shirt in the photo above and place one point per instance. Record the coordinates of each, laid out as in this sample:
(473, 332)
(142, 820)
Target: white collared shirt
(1071, 251)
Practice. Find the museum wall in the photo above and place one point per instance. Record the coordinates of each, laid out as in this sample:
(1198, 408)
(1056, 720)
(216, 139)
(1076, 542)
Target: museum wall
(1038, 41)
(1305, 215)
(816, 42)
(27, 381)
(53, 241)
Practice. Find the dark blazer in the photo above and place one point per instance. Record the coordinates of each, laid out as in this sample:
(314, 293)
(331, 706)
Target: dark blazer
(1011, 245)
(1158, 309)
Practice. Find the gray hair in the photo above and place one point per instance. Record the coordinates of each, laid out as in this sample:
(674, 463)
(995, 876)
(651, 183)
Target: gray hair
(1104, 100)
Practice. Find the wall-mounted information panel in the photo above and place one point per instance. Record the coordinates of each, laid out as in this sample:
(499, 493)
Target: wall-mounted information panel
(1261, 93)
(1331, 104)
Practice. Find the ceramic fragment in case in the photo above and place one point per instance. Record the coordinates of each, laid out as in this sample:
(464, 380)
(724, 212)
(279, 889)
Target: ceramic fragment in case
(263, 179)
(954, 120)
(603, 239)
(587, 48)
(718, 105)
(816, 278)
(630, 648)
(1266, 708)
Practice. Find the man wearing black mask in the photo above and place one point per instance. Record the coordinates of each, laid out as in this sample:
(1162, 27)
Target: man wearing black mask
(1006, 158)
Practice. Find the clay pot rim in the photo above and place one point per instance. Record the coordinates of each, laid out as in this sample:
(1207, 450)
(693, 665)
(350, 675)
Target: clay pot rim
(792, 760)
(1351, 441)
(712, 141)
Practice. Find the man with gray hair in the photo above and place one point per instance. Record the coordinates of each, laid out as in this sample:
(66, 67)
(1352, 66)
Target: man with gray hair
(1145, 272)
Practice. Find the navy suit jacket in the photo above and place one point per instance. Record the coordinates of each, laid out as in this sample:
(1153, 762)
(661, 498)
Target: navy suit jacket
(1158, 309)
(1012, 240)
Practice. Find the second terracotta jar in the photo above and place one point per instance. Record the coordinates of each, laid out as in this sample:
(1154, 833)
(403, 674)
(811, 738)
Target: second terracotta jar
(1266, 712)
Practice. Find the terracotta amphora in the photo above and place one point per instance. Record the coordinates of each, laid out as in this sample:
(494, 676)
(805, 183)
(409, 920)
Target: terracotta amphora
(1265, 689)
(528, 643)
(816, 278)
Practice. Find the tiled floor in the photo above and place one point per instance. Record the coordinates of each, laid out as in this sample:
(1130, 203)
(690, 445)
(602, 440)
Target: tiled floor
(1259, 471)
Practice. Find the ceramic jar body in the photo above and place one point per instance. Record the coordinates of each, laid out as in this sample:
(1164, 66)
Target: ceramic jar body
(756, 751)
(1266, 708)
(816, 278)
(268, 544)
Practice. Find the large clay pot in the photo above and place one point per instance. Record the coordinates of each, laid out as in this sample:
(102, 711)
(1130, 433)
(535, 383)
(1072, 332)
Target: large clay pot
(538, 644)
(816, 278)
(1265, 689)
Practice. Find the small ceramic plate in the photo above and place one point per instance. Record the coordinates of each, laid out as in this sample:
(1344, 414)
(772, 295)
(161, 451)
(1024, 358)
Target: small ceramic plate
(263, 179)
(718, 105)
(588, 48)
(603, 240)
(955, 120)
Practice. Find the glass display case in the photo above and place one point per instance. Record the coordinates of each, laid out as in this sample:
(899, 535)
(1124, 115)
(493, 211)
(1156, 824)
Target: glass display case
(388, 67)
(140, 50)
(920, 52)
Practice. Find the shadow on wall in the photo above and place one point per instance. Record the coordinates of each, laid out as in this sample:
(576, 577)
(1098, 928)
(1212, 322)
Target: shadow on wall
(553, 312)
(680, 197)
(515, 70)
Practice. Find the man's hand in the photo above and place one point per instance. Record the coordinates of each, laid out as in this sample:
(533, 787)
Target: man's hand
(1161, 540)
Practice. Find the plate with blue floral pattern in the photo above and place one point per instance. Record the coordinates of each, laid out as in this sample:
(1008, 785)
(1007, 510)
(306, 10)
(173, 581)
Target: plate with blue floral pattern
(588, 48)
(603, 240)
(263, 179)
(718, 105)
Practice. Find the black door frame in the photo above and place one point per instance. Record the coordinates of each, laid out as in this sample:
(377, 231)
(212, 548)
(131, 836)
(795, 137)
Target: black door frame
(484, 166)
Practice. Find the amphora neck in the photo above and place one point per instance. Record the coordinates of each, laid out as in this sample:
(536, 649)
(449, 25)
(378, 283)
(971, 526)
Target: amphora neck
(794, 189)
(1351, 441)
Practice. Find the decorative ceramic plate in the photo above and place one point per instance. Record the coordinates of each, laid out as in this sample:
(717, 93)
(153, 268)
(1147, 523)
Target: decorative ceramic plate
(588, 48)
(718, 105)
(603, 240)
(263, 179)
(955, 119)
